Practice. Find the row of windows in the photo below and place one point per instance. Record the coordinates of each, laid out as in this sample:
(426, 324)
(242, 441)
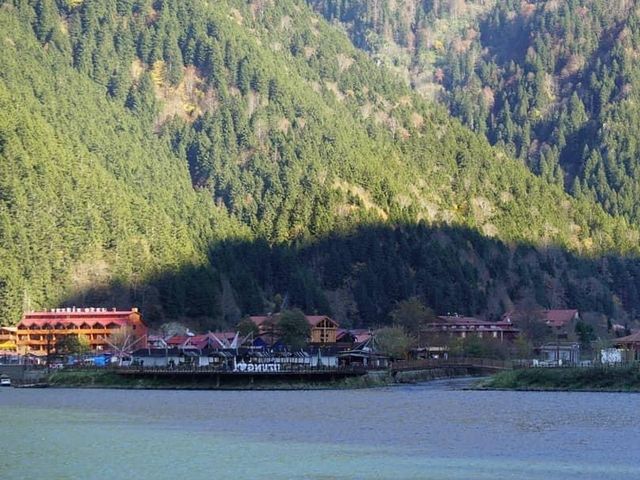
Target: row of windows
(37, 338)
(60, 326)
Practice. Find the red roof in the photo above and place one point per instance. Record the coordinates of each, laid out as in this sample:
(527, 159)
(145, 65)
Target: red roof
(559, 318)
(362, 334)
(359, 335)
(176, 340)
(77, 317)
(229, 336)
(76, 322)
(215, 339)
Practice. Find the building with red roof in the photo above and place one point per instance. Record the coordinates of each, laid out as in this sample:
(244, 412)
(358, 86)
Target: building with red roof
(458, 326)
(205, 340)
(561, 322)
(38, 332)
(560, 318)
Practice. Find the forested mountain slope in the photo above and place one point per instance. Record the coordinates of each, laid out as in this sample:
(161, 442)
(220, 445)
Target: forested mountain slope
(554, 83)
(204, 158)
(88, 198)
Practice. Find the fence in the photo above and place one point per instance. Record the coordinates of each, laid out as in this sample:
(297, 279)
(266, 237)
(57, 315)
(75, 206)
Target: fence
(251, 369)
(468, 362)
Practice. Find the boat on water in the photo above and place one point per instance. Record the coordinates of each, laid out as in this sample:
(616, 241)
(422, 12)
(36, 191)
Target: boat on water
(5, 380)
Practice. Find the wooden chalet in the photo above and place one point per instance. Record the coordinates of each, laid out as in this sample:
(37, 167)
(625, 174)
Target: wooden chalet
(38, 332)
(323, 329)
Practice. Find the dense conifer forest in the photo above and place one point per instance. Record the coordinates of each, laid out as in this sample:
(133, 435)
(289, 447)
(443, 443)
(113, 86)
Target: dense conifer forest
(207, 160)
(553, 83)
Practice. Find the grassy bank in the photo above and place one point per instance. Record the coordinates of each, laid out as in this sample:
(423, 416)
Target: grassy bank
(605, 379)
(110, 379)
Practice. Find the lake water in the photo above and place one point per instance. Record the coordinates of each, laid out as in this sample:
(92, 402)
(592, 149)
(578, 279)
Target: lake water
(430, 431)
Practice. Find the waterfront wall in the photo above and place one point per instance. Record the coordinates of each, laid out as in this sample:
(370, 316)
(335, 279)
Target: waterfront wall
(208, 379)
(23, 373)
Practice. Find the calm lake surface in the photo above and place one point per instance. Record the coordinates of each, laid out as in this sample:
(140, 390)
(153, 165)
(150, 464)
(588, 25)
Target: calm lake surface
(430, 431)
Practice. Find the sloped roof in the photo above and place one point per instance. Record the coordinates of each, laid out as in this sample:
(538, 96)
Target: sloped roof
(554, 318)
(313, 320)
(473, 322)
(634, 338)
(176, 340)
(359, 335)
(460, 320)
(77, 317)
(362, 334)
(559, 318)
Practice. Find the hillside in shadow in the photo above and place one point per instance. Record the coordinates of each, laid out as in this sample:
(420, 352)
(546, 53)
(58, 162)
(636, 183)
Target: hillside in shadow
(358, 276)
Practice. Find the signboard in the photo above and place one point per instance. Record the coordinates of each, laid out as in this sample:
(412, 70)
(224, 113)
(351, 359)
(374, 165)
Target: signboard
(257, 367)
(610, 355)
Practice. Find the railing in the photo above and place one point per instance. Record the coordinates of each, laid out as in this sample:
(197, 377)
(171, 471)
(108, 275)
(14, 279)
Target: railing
(451, 362)
(273, 368)
(581, 364)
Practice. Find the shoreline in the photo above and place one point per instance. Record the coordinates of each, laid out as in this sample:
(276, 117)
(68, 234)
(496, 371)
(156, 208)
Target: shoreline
(599, 379)
(97, 379)
(112, 380)
(579, 380)
(547, 389)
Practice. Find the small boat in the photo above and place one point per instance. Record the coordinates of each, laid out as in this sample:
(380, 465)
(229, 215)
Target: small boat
(5, 380)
